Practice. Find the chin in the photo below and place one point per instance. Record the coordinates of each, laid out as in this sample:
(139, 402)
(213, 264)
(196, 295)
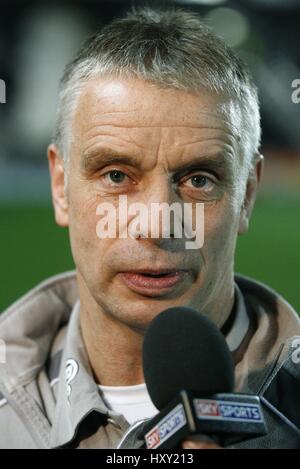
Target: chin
(139, 316)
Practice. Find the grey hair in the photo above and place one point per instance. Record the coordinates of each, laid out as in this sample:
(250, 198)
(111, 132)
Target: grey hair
(170, 48)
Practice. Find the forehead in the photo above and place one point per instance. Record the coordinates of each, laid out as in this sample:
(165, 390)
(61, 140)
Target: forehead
(141, 105)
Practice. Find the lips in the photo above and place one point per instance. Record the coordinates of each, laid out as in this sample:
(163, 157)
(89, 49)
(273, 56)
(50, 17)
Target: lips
(153, 282)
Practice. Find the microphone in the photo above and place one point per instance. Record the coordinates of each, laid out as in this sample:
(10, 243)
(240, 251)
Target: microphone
(189, 373)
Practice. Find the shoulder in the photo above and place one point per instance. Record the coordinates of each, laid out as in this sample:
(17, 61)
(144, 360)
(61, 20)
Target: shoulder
(63, 286)
(265, 301)
(275, 349)
(28, 329)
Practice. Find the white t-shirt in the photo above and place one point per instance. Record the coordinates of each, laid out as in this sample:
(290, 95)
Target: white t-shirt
(131, 401)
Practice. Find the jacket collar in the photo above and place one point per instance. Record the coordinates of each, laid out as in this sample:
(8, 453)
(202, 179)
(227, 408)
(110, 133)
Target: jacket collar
(78, 394)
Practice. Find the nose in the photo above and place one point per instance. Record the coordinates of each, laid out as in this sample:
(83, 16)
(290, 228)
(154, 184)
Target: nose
(160, 217)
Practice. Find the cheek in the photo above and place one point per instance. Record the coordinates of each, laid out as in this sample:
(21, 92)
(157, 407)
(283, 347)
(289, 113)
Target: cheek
(87, 249)
(221, 227)
(82, 214)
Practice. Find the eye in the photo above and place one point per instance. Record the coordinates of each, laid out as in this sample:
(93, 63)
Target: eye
(115, 180)
(199, 181)
(115, 176)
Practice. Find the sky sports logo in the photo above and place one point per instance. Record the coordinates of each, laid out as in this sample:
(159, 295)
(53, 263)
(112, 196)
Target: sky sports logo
(172, 422)
(225, 410)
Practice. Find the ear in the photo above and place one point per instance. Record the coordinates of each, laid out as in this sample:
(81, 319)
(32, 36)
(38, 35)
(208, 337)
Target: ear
(253, 184)
(57, 175)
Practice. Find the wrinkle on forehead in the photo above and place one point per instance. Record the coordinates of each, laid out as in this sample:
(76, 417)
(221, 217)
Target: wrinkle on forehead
(110, 97)
(136, 113)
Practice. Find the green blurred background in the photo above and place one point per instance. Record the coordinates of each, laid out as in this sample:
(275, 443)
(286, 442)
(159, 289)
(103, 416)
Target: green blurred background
(33, 247)
(37, 39)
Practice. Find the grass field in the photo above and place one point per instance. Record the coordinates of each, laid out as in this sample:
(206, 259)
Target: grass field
(33, 248)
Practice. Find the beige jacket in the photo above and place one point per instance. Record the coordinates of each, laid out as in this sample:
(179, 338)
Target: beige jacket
(49, 399)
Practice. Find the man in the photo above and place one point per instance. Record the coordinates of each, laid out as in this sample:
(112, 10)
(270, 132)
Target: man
(155, 108)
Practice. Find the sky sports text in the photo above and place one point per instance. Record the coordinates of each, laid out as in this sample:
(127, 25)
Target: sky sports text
(159, 220)
(2, 92)
(296, 92)
(209, 409)
(169, 425)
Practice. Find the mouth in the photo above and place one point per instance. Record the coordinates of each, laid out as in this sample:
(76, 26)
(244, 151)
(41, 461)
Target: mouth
(153, 282)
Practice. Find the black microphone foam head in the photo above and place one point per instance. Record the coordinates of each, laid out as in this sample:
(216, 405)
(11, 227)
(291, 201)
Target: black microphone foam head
(183, 349)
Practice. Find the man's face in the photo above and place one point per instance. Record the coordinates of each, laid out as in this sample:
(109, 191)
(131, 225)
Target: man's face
(132, 138)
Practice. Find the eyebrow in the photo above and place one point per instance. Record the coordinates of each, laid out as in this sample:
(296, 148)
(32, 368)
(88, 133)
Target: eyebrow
(98, 158)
